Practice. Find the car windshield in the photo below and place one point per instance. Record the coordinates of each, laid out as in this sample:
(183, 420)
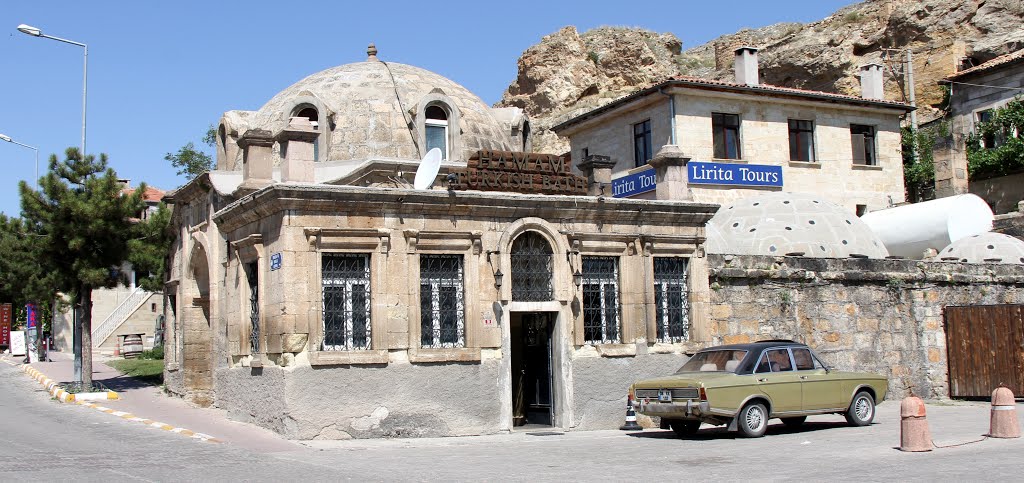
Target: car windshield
(714, 360)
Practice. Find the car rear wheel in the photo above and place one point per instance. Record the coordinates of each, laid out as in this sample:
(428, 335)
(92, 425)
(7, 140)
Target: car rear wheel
(794, 422)
(862, 410)
(685, 427)
(753, 420)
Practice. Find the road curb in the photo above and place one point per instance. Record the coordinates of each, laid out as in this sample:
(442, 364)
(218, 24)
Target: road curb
(82, 399)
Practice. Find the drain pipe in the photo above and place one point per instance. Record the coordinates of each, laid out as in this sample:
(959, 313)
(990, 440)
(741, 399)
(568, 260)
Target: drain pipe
(671, 115)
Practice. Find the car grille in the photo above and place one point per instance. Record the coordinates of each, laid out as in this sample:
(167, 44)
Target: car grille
(679, 393)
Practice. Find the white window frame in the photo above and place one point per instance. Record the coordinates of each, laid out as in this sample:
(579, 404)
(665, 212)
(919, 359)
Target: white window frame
(347, 283)
(602, 309)
(435, 305)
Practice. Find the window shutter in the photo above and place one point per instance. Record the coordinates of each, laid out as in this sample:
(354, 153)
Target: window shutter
(858, 149)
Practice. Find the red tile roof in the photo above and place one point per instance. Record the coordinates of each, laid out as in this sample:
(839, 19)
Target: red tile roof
(984, 66)
(151, 194)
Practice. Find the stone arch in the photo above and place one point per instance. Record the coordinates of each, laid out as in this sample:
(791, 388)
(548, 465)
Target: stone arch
(197, 333)
(301, 106)
(437, 98)
(561, 277)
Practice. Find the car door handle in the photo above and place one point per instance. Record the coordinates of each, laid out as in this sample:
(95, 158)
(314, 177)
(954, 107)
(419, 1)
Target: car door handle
(803, 377)
(762, 379)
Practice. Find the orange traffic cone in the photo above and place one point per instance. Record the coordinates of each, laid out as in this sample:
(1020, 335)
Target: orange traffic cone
(117, 348)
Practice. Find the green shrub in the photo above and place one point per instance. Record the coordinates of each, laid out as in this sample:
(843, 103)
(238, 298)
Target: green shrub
(157, 353)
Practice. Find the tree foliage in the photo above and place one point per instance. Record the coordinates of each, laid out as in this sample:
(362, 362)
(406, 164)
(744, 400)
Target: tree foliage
(1003, 135)
(25, 277)
(919, 170)
(193, 162)
(85, 223)
(148, 247)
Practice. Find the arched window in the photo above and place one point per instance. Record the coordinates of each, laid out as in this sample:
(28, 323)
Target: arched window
(436, 127)
(222, 139)
(532, 268)
(311, 113)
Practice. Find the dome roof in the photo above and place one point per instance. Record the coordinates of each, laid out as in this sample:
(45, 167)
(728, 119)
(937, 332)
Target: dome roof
(371, 110)
(790, 223)
(985, 248)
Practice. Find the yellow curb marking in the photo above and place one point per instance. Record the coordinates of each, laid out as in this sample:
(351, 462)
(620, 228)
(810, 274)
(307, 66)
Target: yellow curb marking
(63, 396)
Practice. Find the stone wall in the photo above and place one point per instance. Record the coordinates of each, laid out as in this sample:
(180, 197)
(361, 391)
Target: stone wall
(882, 316)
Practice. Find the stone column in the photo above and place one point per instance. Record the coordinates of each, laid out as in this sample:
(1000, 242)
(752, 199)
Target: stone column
(257, 159)
(598, 171)
(670, 173)
(297, 141)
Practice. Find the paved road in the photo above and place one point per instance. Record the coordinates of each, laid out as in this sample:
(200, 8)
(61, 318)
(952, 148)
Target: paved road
(43, 440)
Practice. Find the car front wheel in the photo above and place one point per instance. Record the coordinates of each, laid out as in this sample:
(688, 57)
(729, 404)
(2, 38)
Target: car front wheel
(753, 420)
(685, 428)
(862, 410)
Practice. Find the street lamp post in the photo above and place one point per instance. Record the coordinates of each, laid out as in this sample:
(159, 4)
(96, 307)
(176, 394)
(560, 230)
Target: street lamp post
(35, 32)
(4, 137)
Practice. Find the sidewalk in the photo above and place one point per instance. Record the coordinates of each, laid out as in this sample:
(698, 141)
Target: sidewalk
(151, 403)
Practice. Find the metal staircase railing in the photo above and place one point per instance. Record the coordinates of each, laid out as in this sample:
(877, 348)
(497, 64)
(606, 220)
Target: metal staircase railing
(101, 332)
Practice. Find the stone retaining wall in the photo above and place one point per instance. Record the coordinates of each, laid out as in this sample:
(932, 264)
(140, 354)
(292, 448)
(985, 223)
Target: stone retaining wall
(883, 316)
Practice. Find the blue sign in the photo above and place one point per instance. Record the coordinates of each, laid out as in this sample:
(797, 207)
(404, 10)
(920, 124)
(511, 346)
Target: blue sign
(733, 174)
(275, 261)
(633, 184)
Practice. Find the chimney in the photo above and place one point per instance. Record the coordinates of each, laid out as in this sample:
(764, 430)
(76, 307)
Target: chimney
(745, 65)
(297, 147)
(871, 82)
(257, 159)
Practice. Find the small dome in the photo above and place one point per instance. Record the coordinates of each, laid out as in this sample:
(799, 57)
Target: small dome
(985, 248)
(790, 224)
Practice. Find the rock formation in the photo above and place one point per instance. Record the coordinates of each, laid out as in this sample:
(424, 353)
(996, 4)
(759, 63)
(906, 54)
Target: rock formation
(568, 73)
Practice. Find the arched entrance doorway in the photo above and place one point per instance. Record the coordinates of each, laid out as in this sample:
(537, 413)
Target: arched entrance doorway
(531, 333)
(197, 336)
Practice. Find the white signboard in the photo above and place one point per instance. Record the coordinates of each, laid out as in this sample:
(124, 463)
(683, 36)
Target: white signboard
(17, 342)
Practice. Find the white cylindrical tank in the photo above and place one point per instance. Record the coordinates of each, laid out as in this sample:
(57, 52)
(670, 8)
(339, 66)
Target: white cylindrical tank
(909, 230)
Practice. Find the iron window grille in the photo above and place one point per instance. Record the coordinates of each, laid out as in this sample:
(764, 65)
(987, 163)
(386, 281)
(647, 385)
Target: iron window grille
(532, 261)
(601, 300)
(346, 299)
(670, 299)
(252, 276)
(442, 309)
(642, 150)
(726, 135)
(801, 140)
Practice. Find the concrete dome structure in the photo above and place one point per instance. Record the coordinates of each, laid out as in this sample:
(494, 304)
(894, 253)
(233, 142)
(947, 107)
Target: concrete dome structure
(985, 248)
(793, 224)
(381, 110)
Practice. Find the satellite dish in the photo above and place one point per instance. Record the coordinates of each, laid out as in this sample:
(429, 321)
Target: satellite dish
(428, 169)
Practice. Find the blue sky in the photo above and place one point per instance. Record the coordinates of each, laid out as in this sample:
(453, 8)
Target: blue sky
(161, 72)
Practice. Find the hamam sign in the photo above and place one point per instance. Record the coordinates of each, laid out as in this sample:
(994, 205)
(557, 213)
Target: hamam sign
(733, 174)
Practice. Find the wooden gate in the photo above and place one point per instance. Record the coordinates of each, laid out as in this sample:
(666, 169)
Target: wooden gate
(985, 348)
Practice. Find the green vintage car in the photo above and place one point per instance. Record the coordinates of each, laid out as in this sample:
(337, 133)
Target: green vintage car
(745, 385)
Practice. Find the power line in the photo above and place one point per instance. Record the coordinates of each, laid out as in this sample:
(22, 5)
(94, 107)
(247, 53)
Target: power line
(982, 85)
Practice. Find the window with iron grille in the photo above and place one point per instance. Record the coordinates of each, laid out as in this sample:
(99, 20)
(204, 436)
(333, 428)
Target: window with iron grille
(801, 140)
(532, 262)
(252, 276)
(442, 321)
(601, 300)
(670, 299)
(346, 287)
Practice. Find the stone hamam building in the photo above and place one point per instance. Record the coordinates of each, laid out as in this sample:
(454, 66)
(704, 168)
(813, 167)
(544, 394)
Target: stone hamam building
(315, 291)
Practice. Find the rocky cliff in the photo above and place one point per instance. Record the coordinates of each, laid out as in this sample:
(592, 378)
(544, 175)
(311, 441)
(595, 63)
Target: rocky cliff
(569, 73)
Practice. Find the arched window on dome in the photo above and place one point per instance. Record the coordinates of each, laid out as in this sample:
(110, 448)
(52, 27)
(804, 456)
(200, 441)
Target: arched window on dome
(526, 136)
(310, 112)
(436, 129)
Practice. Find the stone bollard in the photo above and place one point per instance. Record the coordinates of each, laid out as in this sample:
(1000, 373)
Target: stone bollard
(1004, 415)
(914, 432)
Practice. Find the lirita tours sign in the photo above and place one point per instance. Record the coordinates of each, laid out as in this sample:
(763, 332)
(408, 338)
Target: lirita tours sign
(517, 172)
(733, 174)
(702, 173)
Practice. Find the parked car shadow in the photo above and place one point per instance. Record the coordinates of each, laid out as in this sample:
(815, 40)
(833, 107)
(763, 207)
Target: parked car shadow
(720, 432)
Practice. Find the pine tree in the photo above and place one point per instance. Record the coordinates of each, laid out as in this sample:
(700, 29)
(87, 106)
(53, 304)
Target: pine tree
(84, 222)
